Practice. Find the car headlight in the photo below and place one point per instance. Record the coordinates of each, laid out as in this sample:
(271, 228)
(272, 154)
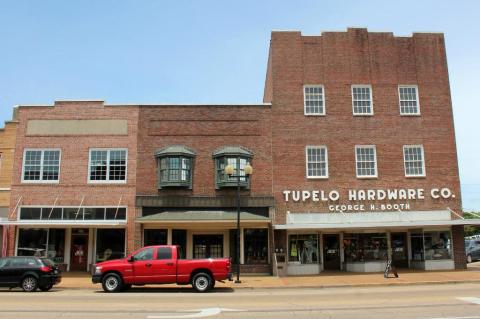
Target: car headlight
(98, 269)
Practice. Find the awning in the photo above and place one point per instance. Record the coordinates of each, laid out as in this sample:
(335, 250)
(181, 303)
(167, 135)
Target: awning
(373, 220)
(202, 216)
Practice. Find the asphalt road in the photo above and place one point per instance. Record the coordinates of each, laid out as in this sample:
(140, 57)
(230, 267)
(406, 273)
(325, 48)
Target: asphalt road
(460, 301)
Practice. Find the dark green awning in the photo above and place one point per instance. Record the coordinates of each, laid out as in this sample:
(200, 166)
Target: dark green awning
(232, 150)
(175, 150)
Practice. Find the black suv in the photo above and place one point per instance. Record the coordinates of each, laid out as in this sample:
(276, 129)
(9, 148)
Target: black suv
(29, 273)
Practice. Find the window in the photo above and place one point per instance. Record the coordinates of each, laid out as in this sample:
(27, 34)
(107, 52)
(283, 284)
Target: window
(317, 162)
(107, 166)
(154, 237)
(313, 100)
(408, 97)
(256, 246)
(414, 160)
(366, 161)
(73, 213)
(41, 242)
(179, 238)
(164, 253)
(175, 164)
(238, 157)
(362, 100)
(365, 247)
(146, 254)
(110, 244)
(41, 166)
(303, 249)
(431, 245)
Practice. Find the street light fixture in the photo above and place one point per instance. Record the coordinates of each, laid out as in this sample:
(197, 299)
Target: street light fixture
(230, 171)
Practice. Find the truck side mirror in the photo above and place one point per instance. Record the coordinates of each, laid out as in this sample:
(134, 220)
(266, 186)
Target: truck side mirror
(131, 259)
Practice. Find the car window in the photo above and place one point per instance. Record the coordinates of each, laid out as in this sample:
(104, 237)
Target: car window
(3, 262)
(47, 262)
(146, 254)
(164, 253)
(22, 262)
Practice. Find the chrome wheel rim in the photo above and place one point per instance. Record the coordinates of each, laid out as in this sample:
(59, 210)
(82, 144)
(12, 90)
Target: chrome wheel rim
(29, 283)
(201, 283)
(111, 283)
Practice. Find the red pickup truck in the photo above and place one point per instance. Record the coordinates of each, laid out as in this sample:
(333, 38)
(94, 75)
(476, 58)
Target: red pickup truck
(160, 265)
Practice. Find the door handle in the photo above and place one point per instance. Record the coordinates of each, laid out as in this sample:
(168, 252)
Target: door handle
(169, 264)
(148, 265)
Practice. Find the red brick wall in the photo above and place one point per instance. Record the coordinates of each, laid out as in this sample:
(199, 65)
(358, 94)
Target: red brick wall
(204, 129)
(458, 239)
(74, 160)
(337, 60)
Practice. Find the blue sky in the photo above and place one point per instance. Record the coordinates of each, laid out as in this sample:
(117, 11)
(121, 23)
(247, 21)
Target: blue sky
(151, 51)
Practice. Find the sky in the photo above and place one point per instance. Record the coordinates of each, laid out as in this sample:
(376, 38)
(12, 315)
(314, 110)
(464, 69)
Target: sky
(153, 51)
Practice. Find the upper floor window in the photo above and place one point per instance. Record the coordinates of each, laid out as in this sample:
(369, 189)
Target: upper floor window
(313, 99)
(366, 161)
(414, 160)
(236, 156)
(317, 162)
(107, 166)
(175, 166)
(362, 100)
(41, 165)
(408, 96)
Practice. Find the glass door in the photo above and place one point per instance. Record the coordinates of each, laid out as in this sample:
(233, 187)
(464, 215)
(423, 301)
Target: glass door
(399, 249)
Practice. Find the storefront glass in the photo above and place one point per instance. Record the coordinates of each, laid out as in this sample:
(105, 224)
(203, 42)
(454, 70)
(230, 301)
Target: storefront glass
(438, 245)
(42, 242)
(154, 237)
(255, 246)
(416, 239)
(179, 237)
(365, 247)
(303, 248)
(110, 244)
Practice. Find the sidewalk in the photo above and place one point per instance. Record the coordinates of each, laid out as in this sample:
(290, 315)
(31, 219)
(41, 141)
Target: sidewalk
(325, 279)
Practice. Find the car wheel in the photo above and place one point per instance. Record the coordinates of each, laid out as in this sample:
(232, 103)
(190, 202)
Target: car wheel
(469, 259)
(201, 282)
(29, 284)
(46, 288)
(112, 283)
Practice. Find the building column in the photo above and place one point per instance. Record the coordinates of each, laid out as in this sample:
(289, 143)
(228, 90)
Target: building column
(68, 245)
(458, 247)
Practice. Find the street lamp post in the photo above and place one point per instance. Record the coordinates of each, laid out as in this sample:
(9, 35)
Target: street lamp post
(230, 171)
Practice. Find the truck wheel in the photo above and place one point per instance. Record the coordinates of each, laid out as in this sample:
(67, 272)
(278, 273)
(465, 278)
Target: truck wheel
(201, 282)
(112, 283)
(29, 284)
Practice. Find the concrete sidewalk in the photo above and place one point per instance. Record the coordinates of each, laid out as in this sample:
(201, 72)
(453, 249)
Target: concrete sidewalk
(326, 279)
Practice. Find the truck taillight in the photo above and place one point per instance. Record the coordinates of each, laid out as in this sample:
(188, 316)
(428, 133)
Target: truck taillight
(45, 269)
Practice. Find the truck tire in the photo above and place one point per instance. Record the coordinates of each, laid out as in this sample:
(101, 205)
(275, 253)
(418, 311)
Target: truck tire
(112, 283)
(201, 282)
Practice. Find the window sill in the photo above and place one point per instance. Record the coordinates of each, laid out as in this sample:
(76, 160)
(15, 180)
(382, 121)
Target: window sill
(411, 115)
(40, 182)
(317, 177)
(174, 185)
(367, 177)
(416, 176)
(107, 182)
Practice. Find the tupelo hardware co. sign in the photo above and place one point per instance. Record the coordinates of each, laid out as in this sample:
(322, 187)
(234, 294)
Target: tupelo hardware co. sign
(356, 198)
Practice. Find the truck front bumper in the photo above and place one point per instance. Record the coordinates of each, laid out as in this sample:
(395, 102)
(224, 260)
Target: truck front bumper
(97, 278)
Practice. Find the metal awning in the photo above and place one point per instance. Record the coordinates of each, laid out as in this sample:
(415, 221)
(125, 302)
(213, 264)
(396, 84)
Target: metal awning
(203, 216)
(371, 220)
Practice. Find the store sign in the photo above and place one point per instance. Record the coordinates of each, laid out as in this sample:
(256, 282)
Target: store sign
(368, 199)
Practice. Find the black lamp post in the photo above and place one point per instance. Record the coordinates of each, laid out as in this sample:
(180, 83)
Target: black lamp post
(230, 170)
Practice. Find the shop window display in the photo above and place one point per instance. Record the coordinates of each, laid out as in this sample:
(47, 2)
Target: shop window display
(41, 242)
(110, 244)
(256, 246)
(437, 245)
(365, 247)
(303, 249)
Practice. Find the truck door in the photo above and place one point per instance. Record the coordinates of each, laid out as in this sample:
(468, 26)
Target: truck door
(165, 266)
(142, 266)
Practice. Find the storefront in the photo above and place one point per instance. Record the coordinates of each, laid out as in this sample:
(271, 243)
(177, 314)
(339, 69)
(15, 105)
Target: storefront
(74, 237)
(363, 242)
(211, 234)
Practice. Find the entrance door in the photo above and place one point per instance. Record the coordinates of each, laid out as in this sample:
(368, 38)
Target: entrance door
(79, 249)
(331, 252)
(399, 249)
(207, 246)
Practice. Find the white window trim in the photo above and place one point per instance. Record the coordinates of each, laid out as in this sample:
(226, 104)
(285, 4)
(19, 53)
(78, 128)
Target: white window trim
(41, 181)
(417, 96)
(326, 161)
(305, 100)
(108, 166)
(423, 161)
(371, 99)
(376, 161)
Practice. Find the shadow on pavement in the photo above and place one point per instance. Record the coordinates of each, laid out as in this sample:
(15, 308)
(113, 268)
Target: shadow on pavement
(187, 290)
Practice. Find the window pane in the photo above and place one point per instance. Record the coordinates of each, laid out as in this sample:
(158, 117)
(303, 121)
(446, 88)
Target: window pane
(366, 161)
(414, 162)
(94, 213)
(154, 237)
(52, 213)
(179, 237)
(408, 100)
(438, 245)
(365, 247)
(51, 165)
(56, 245)
(32, 165)
(146, 254)
(110, 244)
(316, 162)
(116, 214)
(256, 246)
(98, 165)
(32, 242)
(303, 249)
(117, 165)
(164, 253)
(362, 103)
(313, 98)
(30, 213)
(73, 213)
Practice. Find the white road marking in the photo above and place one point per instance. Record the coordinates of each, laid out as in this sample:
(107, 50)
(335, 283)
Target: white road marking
(201, 313)
(474, 317)
(474, 300)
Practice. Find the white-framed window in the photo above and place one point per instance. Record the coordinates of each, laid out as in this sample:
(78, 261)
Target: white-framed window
(314, 100)
(362, 101)
(316, 161)
(107, 165)
(408, 100)
(366, 161)
(41, 166)
(414, 160)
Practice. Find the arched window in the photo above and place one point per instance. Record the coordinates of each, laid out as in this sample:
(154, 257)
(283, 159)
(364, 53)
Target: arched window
(175, 166)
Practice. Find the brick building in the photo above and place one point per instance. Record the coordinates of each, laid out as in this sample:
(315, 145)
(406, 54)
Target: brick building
(353, 151)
